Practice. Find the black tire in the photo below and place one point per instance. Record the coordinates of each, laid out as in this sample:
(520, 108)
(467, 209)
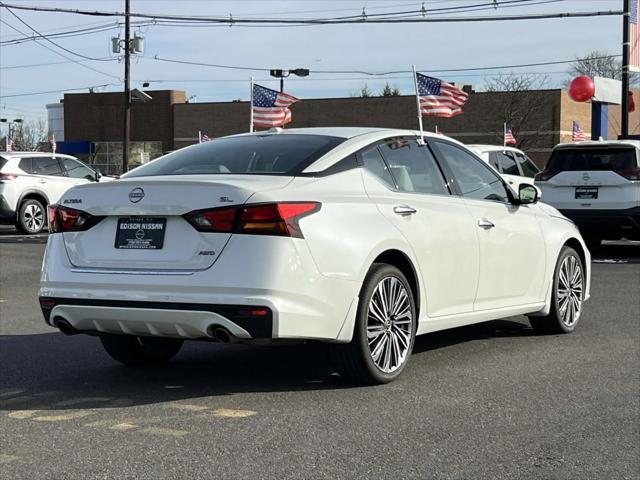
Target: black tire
(553, 323)
(32, 217)
(140, 351)
(354, 360)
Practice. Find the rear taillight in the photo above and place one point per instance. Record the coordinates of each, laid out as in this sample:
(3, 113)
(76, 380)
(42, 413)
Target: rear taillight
(63, 219)
(279, 219)
(8, 176)
(630, 174)
(544, 176)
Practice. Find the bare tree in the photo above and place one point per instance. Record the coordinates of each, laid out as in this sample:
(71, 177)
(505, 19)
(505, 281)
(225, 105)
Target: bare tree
(598, 63)
(518, 104)
(30, 135)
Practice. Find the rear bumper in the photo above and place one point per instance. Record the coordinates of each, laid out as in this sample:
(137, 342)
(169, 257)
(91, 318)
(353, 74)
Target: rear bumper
(179, 320)
(606, 223)
(274, 273)
(7, 213)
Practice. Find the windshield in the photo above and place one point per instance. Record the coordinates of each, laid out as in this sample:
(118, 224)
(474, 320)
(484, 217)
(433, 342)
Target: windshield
(285, 154)
(592, 158)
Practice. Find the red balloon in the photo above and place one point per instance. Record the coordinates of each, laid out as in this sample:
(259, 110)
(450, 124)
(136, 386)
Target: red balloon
(582, 89)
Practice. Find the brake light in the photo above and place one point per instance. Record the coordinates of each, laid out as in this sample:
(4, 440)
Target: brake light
(63, 219)
(8, 176)
(630, 174)
(280, 219)
(544, 176)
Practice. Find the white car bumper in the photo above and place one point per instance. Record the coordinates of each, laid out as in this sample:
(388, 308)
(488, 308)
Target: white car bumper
(253, 274)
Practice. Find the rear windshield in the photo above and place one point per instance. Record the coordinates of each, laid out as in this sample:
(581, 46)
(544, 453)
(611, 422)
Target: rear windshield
(592, 158)
(285, 154)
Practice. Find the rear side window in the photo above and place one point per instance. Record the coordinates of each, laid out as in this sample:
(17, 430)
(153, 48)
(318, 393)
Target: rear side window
(528, 168)
(507, 163)
(45, 166)
(592, 158)
(25, 165)
(3, 162)
(413, 167)
(373, 162)
(273, 154)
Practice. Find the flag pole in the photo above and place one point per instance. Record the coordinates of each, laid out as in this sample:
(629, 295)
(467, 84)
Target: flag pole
(251, 109)
(504, 134)
(415, 82)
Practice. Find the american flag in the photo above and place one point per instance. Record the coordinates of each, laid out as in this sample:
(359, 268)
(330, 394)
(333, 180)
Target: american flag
(270, 107)
(438, 98)
(53, 143)
(509, 139)
(577, 135)
(9, 144)
(634, 36)
(202, 137)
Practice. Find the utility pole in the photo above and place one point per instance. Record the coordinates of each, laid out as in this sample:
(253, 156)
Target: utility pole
(127, 87)
(626, 42)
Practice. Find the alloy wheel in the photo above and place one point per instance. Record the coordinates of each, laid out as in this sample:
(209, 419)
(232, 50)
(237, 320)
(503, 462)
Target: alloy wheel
(389, 324)
(570, 290)
(33, 217)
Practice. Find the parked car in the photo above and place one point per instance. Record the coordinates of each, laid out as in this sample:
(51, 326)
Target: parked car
(29, 181)
(362, 238)
(513, 164)
(597, 185)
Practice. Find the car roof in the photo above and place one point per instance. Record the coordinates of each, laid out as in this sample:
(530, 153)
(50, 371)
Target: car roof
(599, 143)
(9, 155)
(493, 148)
(346, 132)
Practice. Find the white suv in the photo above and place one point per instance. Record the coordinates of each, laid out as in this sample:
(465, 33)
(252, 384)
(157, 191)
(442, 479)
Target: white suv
(597, 185)
(513, 164)
(29, 181)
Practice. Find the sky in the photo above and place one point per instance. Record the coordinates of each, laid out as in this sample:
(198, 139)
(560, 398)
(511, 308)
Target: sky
(370, 48)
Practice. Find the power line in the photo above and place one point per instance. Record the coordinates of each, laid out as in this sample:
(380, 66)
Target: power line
(59, 91)
(376, 74)
(322, 21)
(46, 64)
(61, 54)
(64, 34)
(50, 41)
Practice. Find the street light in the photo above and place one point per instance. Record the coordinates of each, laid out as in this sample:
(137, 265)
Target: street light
(10, 123)
(282, 74)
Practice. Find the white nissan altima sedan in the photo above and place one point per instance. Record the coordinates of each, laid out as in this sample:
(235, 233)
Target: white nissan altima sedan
(359, 237)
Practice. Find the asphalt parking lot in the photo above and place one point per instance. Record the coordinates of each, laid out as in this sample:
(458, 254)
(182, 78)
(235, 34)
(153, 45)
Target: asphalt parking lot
(487, 401)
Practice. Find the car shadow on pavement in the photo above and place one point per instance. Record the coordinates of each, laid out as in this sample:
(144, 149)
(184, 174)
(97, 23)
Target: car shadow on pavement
(54, 372)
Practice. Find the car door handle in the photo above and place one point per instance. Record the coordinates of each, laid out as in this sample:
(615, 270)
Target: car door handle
(404, 210)
(484, 223)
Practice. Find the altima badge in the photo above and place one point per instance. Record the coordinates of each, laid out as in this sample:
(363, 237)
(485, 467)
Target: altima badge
(136, 195)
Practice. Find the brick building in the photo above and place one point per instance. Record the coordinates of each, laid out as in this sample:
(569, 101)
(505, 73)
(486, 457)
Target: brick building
(169, 122)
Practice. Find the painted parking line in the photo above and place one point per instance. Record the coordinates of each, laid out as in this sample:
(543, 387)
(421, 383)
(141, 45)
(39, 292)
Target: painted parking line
(6, 458)
(23, 414)
(232, 413)
(62, 417)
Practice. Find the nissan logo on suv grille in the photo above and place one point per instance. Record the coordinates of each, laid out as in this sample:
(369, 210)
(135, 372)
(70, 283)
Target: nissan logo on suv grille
(136, 195)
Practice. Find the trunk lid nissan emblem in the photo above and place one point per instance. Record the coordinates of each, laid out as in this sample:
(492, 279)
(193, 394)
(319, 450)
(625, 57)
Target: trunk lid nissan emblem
(136, 195)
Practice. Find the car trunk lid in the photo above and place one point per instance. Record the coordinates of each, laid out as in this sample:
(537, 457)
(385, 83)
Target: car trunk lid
(143, 226)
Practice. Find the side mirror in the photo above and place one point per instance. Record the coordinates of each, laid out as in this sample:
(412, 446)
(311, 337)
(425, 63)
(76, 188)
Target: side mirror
(527, 194)
(98, 176)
